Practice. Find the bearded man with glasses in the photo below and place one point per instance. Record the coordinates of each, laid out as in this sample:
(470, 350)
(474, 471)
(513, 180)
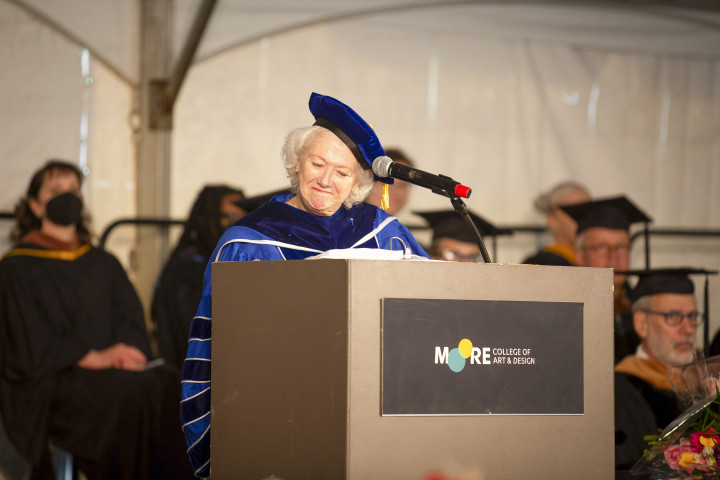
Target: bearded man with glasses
(666, 318)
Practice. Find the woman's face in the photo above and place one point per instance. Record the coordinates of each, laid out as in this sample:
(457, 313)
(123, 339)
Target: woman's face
(229, 212)
(327, 174)
(55, 183)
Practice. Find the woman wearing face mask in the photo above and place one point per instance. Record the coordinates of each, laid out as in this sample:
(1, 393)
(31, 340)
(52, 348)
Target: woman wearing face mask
(74, 347)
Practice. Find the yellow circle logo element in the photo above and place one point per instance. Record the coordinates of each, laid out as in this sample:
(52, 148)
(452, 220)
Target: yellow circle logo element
(465, 346)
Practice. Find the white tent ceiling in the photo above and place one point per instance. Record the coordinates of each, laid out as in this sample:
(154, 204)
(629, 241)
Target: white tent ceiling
(110, 29)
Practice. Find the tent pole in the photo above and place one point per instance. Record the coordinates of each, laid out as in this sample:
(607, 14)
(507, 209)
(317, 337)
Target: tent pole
(153, 148)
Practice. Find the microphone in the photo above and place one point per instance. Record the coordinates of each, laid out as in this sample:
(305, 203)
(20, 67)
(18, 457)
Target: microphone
(440, 184)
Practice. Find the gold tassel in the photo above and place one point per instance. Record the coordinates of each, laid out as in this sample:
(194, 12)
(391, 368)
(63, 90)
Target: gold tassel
(385, 199)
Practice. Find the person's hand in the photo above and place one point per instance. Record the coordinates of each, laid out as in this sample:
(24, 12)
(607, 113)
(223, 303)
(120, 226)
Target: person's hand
(119, 356)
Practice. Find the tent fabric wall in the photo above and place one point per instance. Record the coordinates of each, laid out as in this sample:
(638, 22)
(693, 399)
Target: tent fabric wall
(508, 117)
(46, 99)
(507, 99)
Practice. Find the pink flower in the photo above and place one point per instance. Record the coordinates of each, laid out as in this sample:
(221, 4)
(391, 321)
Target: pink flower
(701, 440)
(673, 453)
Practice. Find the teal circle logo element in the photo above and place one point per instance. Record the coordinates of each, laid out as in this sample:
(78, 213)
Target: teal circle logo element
(457, 356)
(456, 362)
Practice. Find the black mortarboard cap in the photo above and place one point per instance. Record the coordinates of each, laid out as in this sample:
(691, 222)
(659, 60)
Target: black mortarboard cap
(665, 280)
(672, 280)
(252, 203)
(616, 213)
(448, 223)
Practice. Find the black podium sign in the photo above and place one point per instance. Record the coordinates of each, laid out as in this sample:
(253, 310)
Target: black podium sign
(476, 357)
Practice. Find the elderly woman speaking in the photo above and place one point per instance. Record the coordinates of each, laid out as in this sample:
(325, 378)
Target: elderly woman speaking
(329, 166)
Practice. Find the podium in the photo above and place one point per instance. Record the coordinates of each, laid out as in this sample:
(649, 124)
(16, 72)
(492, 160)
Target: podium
(309, 369)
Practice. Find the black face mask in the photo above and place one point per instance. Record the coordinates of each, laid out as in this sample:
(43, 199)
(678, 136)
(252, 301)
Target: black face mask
(65, 209)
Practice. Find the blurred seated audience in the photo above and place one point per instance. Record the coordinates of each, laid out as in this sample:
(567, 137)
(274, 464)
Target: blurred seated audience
(561, 226)
(74, 369)
(179, 287)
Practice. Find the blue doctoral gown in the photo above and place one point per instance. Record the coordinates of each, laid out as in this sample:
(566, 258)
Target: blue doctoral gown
(275, 231)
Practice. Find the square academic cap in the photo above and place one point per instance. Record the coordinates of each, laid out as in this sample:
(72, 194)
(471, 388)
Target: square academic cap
(672, 280)
(616, 213)
(448, 223)
(349, 127)
(665, 280)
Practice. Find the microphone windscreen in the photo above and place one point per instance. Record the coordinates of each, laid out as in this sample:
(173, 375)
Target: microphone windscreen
(381, 166)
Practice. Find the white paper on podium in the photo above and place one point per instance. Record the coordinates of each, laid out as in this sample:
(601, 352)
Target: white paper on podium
(367, 254)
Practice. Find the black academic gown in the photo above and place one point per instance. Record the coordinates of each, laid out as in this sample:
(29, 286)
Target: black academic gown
(177, 294)
(553, 254)
(54, 307)
(543, 257)
(625, 338)
(640, 409)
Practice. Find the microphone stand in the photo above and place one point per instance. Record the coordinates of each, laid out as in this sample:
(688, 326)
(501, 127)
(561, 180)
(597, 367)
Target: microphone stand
(461, 209)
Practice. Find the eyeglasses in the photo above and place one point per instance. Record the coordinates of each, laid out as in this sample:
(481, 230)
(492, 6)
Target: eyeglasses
(604, 248)
(452, 256)
(675, 318)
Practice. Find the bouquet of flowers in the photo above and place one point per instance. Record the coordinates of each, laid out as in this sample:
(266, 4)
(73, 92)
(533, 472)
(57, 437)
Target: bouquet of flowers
(690, 445)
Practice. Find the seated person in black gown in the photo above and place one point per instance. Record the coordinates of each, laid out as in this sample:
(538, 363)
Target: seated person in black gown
(74, 347)
(453, 239)
(179, 288)
(666, 318)
(561, 226)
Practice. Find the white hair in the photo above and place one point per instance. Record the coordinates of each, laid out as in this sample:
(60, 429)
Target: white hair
(642, 303)
(550, 200)
(297, 141)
